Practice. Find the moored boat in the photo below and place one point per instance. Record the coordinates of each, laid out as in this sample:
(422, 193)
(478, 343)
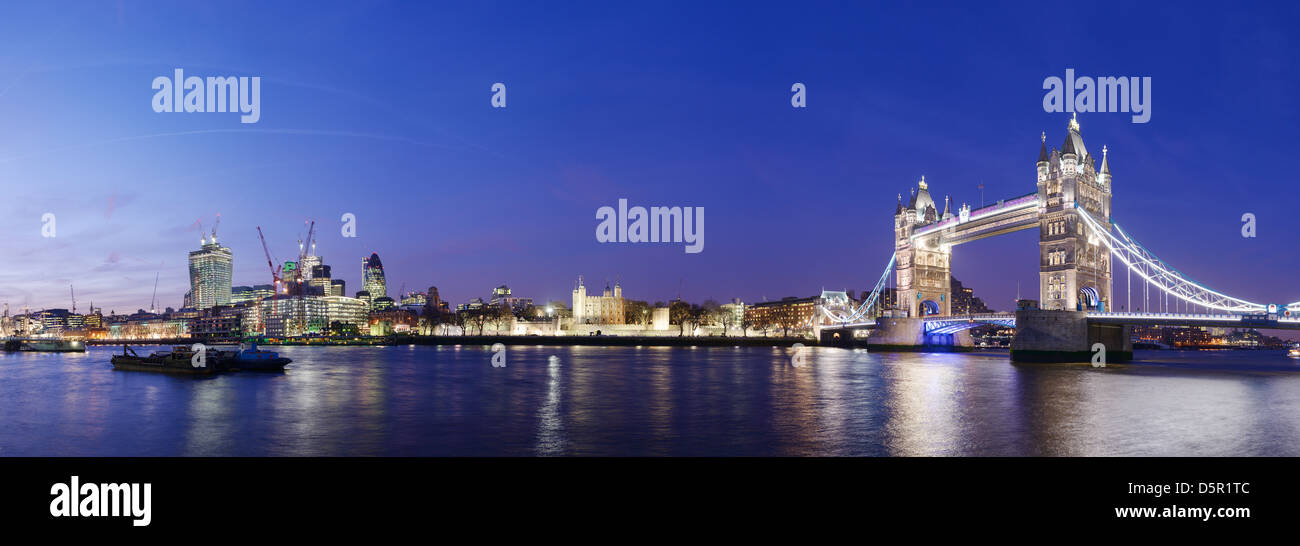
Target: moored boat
(179, 360)
(55, 345)
(252, 359)
(1294, 352)
(45, 345)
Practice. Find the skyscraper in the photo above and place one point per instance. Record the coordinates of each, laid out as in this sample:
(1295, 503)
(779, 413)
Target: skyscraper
(211, 269)
(372, 277)
(309, 263)
(319, 282)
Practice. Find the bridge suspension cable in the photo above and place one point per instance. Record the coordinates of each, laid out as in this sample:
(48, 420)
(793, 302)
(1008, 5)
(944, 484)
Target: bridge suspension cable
(1161, 275)
(869, 301)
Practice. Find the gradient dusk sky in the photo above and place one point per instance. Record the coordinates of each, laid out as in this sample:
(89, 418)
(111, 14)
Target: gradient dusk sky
(382, 109)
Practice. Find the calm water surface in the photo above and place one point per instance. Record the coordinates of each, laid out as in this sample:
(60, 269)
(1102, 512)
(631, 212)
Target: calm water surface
(655, 401)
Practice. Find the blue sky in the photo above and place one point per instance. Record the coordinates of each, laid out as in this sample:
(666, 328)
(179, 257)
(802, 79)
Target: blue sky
(383, 110)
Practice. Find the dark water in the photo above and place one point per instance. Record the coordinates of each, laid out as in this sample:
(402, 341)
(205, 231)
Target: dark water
(655, 401)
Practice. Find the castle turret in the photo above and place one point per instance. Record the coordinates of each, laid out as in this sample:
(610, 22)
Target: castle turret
(1073, 152)
(1103, 177)
(579, 301)
(923, 204)
(1042, 159)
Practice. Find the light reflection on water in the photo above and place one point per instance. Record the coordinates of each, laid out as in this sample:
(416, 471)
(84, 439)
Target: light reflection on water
(655, 401)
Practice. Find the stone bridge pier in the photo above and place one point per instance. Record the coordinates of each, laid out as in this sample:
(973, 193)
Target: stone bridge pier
(1067, 336)
(908, 334)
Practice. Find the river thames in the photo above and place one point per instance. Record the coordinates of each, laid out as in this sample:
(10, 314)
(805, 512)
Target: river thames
(428, 400)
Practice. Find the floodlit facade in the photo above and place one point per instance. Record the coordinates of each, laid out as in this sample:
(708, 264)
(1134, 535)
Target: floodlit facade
(211, 270)
(281, 314)
(789, 312)
(1074, 269)
(606, 308)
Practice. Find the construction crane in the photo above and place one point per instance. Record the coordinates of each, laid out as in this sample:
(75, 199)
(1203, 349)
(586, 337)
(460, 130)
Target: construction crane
(302, 245)
(270, 262)
(302, 255)
(275, 280)
(153, 301)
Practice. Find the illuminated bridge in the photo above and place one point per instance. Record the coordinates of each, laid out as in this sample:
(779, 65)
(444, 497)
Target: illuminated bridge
(1078, 242)
(954, 324)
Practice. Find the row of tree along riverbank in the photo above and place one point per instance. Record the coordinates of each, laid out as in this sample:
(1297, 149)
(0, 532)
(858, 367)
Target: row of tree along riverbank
(607, 341)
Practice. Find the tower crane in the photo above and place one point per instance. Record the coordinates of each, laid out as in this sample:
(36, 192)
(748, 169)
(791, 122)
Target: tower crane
(302, 255)
(153, 301)
(275, 280)
(270, 263)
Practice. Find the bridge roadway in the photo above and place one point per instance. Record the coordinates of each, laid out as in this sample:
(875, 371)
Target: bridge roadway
(1260, 321)
(955, 323)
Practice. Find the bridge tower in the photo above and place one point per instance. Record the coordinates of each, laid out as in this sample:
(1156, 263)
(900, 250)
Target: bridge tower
(923, 264)
(1074, 265)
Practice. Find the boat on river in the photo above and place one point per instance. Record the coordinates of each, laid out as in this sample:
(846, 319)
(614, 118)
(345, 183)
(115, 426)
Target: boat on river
(251, 359)
(45, 345)
(179, 360)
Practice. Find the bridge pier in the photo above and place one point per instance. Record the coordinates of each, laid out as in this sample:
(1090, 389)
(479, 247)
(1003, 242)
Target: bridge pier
(836, 337)
(1066, 336)
(908, 334)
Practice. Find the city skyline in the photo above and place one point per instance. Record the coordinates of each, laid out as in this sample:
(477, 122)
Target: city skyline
(456, 194)
(366, 237)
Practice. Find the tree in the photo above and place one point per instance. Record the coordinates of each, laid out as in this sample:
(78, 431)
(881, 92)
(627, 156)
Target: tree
(679, 313)
(526, 312)
(699, 315)
(481, 317)
(430, 318)
(461, 320)
(636, 312)
(725, 317)
(786, 321)
(499, 316)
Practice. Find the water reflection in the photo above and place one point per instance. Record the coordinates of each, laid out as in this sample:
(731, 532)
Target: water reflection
(550, 426)
(210, 420)
(654, 401)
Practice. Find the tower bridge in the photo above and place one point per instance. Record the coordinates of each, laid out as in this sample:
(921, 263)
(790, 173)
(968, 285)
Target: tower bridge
(1078, 239)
